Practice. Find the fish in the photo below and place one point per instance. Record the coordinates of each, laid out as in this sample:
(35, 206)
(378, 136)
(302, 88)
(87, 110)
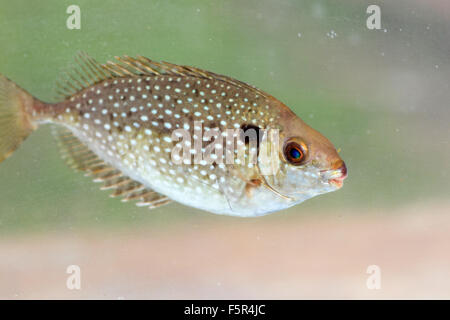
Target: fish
(156, 132)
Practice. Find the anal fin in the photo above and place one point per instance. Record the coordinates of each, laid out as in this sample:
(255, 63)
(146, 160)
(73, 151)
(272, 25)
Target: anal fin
(78, 156)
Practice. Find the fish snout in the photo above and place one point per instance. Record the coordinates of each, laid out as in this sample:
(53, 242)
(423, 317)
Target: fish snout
(343, 169)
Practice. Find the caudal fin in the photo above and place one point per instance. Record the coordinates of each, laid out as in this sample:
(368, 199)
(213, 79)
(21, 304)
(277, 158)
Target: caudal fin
(16, 107)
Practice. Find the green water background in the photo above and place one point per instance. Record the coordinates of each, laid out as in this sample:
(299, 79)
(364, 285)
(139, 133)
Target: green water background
(382, 96)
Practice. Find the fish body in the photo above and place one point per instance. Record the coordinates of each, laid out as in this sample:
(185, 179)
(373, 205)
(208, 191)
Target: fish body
(157, 132)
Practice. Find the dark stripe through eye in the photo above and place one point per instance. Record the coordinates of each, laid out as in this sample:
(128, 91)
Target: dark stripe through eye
(250, 132)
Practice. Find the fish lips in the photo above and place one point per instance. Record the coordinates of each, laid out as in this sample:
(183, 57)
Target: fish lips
(341, 173)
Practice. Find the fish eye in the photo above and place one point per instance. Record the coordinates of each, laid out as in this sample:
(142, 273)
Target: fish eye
(295, 153)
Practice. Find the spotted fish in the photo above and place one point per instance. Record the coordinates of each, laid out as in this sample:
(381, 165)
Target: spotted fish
(128, 124)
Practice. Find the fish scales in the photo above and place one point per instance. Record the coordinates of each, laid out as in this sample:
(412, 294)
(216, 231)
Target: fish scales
(129, 121)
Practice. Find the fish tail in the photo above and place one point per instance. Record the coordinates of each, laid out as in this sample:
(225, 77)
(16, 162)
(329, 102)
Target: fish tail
(17, 111)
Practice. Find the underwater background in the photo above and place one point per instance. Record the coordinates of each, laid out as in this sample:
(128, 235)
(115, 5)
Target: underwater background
(381, 96)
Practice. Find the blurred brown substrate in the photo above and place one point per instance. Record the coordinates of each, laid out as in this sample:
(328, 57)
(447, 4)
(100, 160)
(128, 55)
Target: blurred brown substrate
(322, 257)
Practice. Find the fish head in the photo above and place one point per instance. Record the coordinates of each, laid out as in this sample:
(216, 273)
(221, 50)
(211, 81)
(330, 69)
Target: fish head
(308, 163)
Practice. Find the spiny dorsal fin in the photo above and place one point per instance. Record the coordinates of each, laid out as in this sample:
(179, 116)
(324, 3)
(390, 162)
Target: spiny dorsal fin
(80, 157)
(84, 73)
(88, 72)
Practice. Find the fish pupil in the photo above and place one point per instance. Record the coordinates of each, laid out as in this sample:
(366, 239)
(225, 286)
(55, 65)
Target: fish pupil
(295, 154)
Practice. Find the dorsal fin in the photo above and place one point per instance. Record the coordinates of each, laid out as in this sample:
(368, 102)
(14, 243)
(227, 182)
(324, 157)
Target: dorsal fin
(78, 156)
(88, 72)
(84, 73)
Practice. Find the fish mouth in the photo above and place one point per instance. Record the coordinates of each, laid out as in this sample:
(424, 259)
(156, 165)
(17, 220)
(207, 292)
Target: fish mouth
(338, 175)
(338, 182)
